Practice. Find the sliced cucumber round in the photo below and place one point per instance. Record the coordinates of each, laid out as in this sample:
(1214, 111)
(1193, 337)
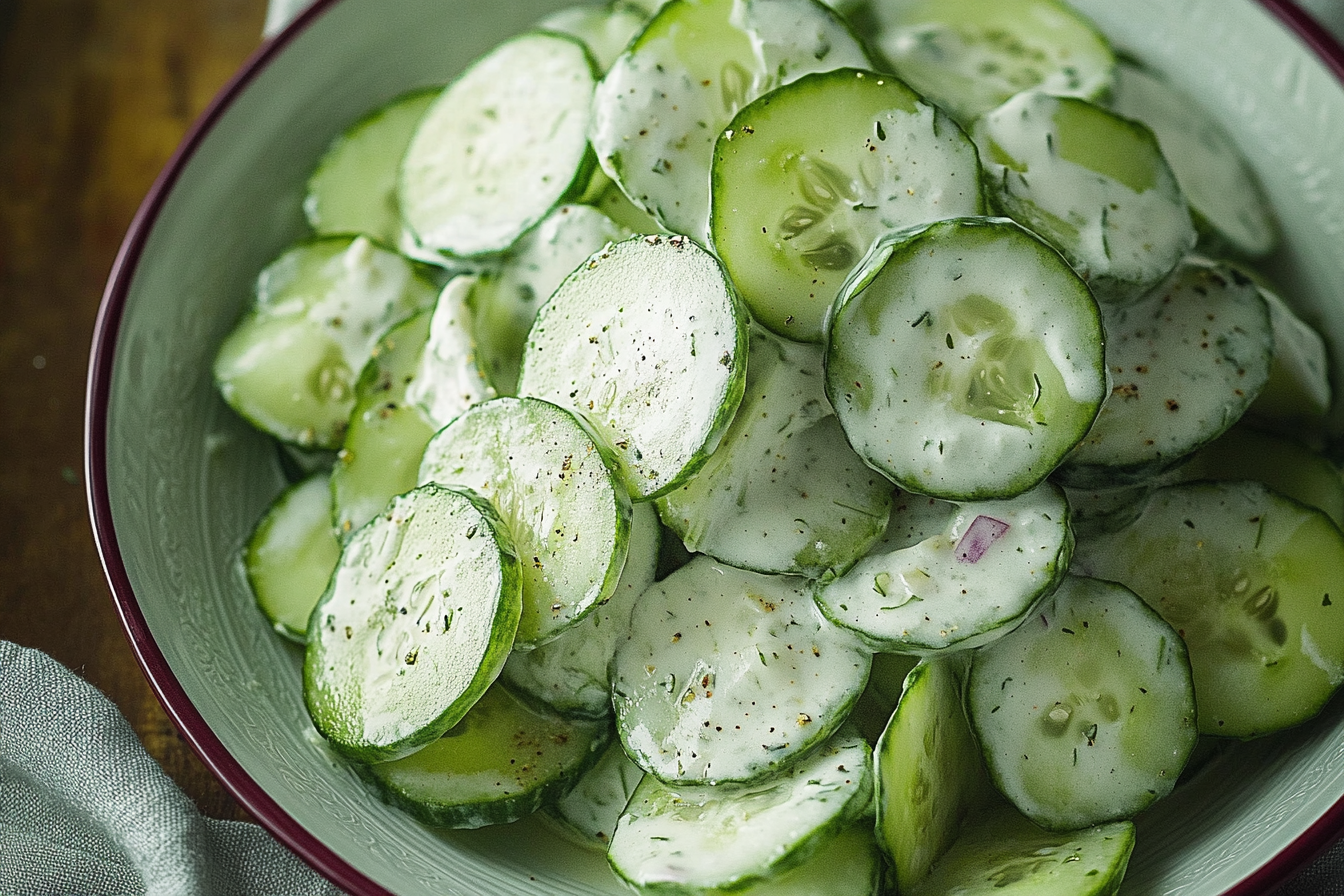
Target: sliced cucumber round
(1085, 712)
(571, 675)
(353, 189)
(554, 488)
(1093, 184)
(1001, 853)
(493, 154)
(686, 839)
(588, 813)
(729, 675)
(783, 492)
(663, 102)
(886, 683)
(415, 625)
(450, 377)
(501, 762)
(965, 359)
(964, 587)
(1186, 362)
(929, 771)
(969, 56)
(289, 367)
(605, 29)
(380, 455)
(291, 553)
(659, 372)
(794, 207)
(1251, 581)
(1298, 391)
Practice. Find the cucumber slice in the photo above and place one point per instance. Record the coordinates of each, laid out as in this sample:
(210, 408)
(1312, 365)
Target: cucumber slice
(1001, 853)
(501, 762)
(880, 695)
(847, 864)
(966, 586)
(380, 455)
(1091, 183)
(588, 813)
(969, 56)
(571, 674)
(729, 675)
(450, 378)
(929, 774)
(415, 625)
(1086, 712)
(289, 367)
(793, 208)
(1186, 362)
(784, 492)
(606, 30)
(658, 373)
(687, 839)
(553, 486)
(1252, 581)
(1229, 207)
(659, 108)
(611, 202)
(965, 359)
(1298, 391)
(353, 189)
(506, 301)
(494, 154)
(291, 554)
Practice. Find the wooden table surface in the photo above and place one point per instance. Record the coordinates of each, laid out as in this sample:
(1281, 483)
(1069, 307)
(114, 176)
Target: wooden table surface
(94, 97)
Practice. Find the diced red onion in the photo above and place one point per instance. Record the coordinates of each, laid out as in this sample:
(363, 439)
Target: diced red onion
(980, 534)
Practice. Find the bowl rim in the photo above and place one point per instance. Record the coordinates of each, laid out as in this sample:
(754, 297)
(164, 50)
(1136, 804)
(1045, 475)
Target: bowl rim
(1318, 838)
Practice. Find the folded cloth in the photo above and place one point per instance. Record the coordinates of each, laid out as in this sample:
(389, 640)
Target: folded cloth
(85, 810)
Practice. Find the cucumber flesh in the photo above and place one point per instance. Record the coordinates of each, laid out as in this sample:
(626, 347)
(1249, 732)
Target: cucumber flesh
(606, 29)
(1086, 711)
(1298, 391)
(965, 359)
(659, 373)
(588, 813)
(554, 488)
(415, 625)
(1251, 581)
(501, 762)
(450, 378)
(886, 682)
(729, 675)
(291, 553)
(962, 587)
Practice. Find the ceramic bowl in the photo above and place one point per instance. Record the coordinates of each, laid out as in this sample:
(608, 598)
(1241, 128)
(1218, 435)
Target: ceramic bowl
(177, 480)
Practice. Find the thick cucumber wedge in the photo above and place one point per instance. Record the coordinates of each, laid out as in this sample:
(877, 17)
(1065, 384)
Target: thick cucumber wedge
(506, 301)
(1093, 184)
(1186, 361)
(692, 839)
(290, 366)
(494, 154)
(571, 675)
(554, 488)
(588, 813)
(968, 56)
(1229, 206)
(793, 208)
(658, 369)
(353, 189)
(1252, 581)
(1298, 391)
(659, 109)
(729, 675)
(291, 554)
(784, 492)
(501, 762)
(415, 625)
(606, 30)
(380, 455)
(1001, 853)
(1085, 712)
(966, 586)
(965, 359)
(450, 377)
(929, 770)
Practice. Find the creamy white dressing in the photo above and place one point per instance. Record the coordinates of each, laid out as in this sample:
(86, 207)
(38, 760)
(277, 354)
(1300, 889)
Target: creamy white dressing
(449, 378)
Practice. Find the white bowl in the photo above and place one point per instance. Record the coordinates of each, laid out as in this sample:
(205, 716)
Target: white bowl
(176, 481)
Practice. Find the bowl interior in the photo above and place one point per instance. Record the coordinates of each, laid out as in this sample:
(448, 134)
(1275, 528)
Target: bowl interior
(177, 481)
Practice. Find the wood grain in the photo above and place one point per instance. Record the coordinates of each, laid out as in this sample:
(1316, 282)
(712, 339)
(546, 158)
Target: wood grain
(94, 97)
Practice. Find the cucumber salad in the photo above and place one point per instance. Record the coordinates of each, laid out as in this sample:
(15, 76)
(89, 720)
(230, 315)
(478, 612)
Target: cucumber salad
(795, 447)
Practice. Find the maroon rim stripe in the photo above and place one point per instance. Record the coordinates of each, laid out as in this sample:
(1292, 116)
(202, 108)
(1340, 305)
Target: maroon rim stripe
(1317, 839)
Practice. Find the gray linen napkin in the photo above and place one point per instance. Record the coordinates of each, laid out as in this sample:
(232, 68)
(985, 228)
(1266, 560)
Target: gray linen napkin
(85, 810)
